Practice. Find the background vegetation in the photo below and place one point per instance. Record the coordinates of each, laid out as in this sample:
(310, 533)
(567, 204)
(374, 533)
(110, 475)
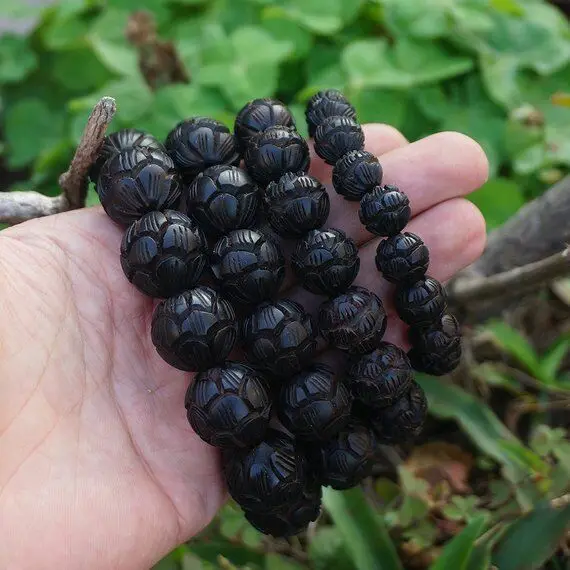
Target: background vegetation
(488, 482)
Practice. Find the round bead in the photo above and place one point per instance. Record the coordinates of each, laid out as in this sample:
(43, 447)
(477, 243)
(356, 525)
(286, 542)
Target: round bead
(356, 173)
(326, 262)
(337, 136)
(194, 330)
(403, 258)
(249, 266)
(222, 198)
(198, 143)
(135, 182)
(269, 476)
(229, 405)
(405, 418)
(325, 104)
(296, 204)
(164, 253)
(420, 304)
(385, 211)
(258, 115)
(354, 321)
(275, 151)
(315, 405)
(279, 337)
(380, 378)
(116, 142)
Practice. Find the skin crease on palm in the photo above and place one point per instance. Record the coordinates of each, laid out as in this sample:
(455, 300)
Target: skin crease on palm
(99, 468)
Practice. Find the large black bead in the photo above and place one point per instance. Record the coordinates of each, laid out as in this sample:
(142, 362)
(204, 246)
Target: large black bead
(382, 377)
(279, 337)
(275, 151)
(229, 405)
(354, 321)
(337, 136)
(222, 198)
(296, 204)
(198, 143)
(194, 330)
(164, 253)
(137, 181)
(403, 258)
(326, 262)
(422, 303)
(385, 211)
(249, 266)
(325, 104)
(356, 173)
(405, 418)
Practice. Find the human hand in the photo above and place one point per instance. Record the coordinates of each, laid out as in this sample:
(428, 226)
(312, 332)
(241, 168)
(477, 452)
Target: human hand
(99, 467)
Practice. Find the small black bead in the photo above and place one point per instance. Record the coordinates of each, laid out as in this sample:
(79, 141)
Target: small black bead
(221, 199)
(420, 304)
(249, 266)
(336, 136)
(275, 151)
(194, 330)
(164, 253)
(385, 211)
(137, 181)
(354, 321)
(258, 115)
(405, 418)
(356, 173)
(325, 104)
(296, 204)
(279, 337)
(403, 258)
(326, 262)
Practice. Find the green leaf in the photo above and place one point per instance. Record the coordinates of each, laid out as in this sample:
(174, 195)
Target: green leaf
(529, 460)
(366, 537)
(498, 200)
(327, 550)
(79, 70)
(17, 59)
(117, 57)
(277, 562)
(211, 548)
(297, 39)
(550, 363)
(320, 16)
(64, 31)
(380, 106)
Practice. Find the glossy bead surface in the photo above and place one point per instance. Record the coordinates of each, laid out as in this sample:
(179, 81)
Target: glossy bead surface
(315, 404)
(258, 115)
(296, 204)
(229, 405)
(198, 143)
(325, 104)
(382, 377)
(279, 337)
(356, 173)
(405, 418)
(222, 198)
(249, 266)
(164, 253)
(354, 321)
(385, 211)
(326, 262)
(194, 330)
(403, 258)
(275, 151)
(422, 303)
(336, 136)
(135, 182)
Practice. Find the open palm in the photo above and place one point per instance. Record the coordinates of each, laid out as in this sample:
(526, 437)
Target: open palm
(99, 468)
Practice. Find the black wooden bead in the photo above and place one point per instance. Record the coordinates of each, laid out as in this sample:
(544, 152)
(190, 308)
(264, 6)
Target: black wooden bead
(222, 198)
(382, 377)
(296, 204)
(279, 337)
(275, 151)
(354, 321)
(315, 404)
(164, 253)
(403, 258)
(422, 303)
(229, 405)
(325, 104)
(356, 173)
(385, 211)
(337, 136)
(137, 181)
(194, 330)
(405, 418)
(249, 266)
(326, 262)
